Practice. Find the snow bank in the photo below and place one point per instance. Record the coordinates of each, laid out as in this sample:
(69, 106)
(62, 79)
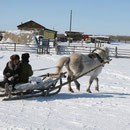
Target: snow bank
(18, 36)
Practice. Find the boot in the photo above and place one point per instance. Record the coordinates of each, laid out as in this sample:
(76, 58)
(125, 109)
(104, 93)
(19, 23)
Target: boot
(8, 89)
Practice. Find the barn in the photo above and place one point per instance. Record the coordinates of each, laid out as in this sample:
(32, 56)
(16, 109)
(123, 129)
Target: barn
(76, 36)
(38, 29)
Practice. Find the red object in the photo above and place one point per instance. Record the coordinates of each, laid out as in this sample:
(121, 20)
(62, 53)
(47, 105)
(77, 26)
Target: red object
(85, 37)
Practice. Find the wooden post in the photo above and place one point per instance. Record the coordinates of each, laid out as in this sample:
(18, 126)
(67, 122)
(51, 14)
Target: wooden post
(100, 44)
(74, 49)
(70, 26)
(14, 46)
(90, 49)
(37, 50)
(116, 52)
(95, 44)
(43, 51)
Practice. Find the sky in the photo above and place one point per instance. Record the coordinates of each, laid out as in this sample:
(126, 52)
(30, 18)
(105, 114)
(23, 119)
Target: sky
(97, 17)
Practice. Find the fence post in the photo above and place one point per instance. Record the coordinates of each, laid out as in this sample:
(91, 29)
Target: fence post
(116, 52)
(100, 44)
(90, 49)
(14, 46)
(37, 50)
(95, 44)
(74, 49)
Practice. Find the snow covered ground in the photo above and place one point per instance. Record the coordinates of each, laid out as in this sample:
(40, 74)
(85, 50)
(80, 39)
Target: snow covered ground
(108, 109)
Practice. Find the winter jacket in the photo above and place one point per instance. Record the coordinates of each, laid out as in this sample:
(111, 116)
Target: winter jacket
(11, 71)
(25, 72)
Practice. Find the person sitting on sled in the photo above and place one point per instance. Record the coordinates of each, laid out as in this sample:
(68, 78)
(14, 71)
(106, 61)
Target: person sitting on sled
(11, 72)
(25, 69)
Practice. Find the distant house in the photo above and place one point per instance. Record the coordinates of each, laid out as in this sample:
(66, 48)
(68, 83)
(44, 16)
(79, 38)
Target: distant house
(99, 39)
(61, 38)
(38, 29)
(76, 36)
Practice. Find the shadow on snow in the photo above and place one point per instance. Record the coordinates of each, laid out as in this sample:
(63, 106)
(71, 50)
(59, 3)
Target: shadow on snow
(67, 96)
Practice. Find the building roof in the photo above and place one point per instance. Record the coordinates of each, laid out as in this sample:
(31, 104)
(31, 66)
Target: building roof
(31, 24)
(72, 32)
(61, 36)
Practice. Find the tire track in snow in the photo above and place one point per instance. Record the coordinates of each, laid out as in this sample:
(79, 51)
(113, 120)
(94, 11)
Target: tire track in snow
(118, 75)
(49, 113)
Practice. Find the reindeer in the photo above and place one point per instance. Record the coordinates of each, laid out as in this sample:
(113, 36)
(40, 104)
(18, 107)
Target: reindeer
(77, 64)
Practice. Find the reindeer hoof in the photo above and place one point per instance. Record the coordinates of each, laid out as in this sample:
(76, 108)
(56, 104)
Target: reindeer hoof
(78, 87)
(97, 89)
(71, 90)
(89, 91)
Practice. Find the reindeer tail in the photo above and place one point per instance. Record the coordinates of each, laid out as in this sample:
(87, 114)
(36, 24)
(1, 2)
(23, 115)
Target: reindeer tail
(63, 61)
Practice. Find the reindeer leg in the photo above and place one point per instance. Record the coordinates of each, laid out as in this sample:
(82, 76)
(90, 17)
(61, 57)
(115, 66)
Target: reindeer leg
(77, 84)
(96, 84)
(88, 88)
(69, 84)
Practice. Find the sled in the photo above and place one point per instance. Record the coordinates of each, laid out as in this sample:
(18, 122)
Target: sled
(49, 85)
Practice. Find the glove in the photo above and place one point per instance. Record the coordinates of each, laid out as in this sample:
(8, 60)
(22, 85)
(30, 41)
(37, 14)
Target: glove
(16, 75)
(7, 75)
(11, 78)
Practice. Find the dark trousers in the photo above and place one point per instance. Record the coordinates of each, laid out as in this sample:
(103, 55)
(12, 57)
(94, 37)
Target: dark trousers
(2, 84)
(13, 82)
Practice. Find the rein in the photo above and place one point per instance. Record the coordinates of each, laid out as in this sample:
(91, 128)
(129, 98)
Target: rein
(45, 68)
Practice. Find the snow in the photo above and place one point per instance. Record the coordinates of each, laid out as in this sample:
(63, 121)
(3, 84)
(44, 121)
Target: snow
(8, 40)
(18, 32)
(108, 109)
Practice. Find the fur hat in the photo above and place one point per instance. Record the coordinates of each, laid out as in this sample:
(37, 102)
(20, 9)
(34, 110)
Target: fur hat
(14, 57)
(25, 56)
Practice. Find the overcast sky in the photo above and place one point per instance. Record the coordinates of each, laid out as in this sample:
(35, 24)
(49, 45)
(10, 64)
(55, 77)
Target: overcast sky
(101, 17)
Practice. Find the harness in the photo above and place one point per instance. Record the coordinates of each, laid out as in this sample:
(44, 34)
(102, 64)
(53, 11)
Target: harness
(95, 55)
(99, 57)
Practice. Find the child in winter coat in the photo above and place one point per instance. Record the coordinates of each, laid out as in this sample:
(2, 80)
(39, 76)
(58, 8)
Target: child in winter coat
(25, 68)
(11, 71)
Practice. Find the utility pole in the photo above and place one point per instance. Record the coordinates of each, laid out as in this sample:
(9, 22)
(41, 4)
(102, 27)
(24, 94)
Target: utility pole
(70, 25)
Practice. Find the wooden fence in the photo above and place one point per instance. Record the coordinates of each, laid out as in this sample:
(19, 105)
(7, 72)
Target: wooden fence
(119, 53)
(18, 47)
(114, 52)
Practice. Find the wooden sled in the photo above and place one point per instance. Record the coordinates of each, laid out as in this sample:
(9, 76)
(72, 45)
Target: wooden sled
(50, 86)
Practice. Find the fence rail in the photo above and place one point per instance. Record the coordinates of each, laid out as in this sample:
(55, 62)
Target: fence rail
(120, 53)
(114, 52)
(18, 47)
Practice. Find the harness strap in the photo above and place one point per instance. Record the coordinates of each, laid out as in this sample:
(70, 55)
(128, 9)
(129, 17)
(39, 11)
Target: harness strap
(45, 68)
(95, 55)
(99, 57)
